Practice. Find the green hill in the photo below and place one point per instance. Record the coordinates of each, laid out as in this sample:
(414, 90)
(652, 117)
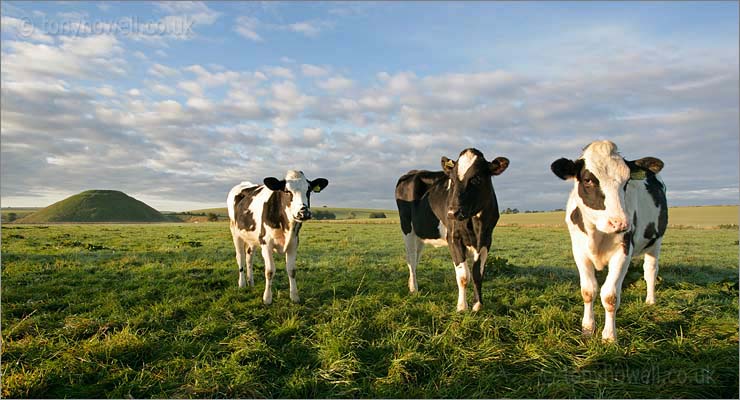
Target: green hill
(96, 206)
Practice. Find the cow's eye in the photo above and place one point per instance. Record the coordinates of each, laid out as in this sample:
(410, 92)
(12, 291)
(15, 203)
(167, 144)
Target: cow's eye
(588, 181)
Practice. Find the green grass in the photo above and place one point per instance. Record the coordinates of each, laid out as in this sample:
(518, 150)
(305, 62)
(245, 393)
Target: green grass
(153, 311)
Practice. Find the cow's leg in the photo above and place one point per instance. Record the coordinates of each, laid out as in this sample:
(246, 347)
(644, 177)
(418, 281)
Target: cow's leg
(250, 265)
(241, 258)
(461, 274)
(414, 245)
(589, 288)
(290, 257)
(650, 268)
(269, 273)
(611, 293)
(479, 260)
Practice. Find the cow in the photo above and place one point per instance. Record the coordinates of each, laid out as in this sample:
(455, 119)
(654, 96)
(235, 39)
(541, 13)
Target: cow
(270, 216)
(455, 207)
(617, 210)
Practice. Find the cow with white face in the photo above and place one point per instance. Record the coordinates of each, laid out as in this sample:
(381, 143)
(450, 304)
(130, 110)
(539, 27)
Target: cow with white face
(270, 216)
(616, 210)
(455, 207)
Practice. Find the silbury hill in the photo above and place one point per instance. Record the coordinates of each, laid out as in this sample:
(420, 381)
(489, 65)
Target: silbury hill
(96, 206)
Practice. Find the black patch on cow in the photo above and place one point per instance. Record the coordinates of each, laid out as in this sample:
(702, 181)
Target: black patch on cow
(650, 233)
(273, 213)
(249, 250)
(577, 219)
(657, 192)
(425, 223)
(291, 273)
(242, 213)
(627, 241)
(241, 269)
(589, 190)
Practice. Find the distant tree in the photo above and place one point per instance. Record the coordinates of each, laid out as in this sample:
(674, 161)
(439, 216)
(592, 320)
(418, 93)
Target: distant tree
(212, 217)
(351, 215)
(376, 215)
(515, 211)
(11, 217)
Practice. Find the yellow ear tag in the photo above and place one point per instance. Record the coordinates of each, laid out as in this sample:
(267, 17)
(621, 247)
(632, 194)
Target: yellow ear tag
(450, 164)
(317, 189)
(638, 175)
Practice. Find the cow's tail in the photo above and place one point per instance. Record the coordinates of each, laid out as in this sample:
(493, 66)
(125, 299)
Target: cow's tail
(232, 194)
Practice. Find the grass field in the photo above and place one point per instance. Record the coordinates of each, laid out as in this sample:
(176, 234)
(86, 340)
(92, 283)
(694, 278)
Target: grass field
(154, 311)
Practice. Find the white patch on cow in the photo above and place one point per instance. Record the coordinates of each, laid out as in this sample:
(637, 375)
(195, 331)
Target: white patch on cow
(232, 194)
(414, 247)
(463, 275)
(464, 163)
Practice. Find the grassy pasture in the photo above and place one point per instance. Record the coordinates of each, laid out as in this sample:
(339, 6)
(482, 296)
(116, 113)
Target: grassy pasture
(154, 311)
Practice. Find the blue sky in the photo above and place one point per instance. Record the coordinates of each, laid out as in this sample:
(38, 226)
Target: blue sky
(174, 103)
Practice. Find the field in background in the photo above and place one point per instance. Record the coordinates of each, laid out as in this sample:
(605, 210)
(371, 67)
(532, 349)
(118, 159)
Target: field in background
(153, 310)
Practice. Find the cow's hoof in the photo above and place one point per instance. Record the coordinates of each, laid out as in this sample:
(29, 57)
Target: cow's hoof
(462, 307)
(650, 302)
(295, 299)
(477, 306)
(587, 331)
(267, 299)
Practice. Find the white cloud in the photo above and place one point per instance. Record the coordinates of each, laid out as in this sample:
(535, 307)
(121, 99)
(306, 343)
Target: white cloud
(314, 70)
(247, 28)
(74, 57)
(279, 72)
(23, 29)
(163, 71)
(335, 84)
(307, 28)
(134, 92)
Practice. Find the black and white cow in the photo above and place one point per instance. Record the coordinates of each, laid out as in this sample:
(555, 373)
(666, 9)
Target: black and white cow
(616, 210)
(270, 216)
(456, 207)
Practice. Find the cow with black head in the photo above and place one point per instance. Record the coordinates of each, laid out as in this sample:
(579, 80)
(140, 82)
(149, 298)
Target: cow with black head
(617, 209)
(270, 216)
(455, 207)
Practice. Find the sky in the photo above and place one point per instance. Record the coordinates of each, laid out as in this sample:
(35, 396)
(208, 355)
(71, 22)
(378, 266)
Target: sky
(175, 103)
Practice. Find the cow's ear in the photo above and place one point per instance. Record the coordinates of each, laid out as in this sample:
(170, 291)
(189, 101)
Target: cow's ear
(274, 184)
(647, 163)
(447, 164)
(318, 184)
(498, 165)
(566, 169)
